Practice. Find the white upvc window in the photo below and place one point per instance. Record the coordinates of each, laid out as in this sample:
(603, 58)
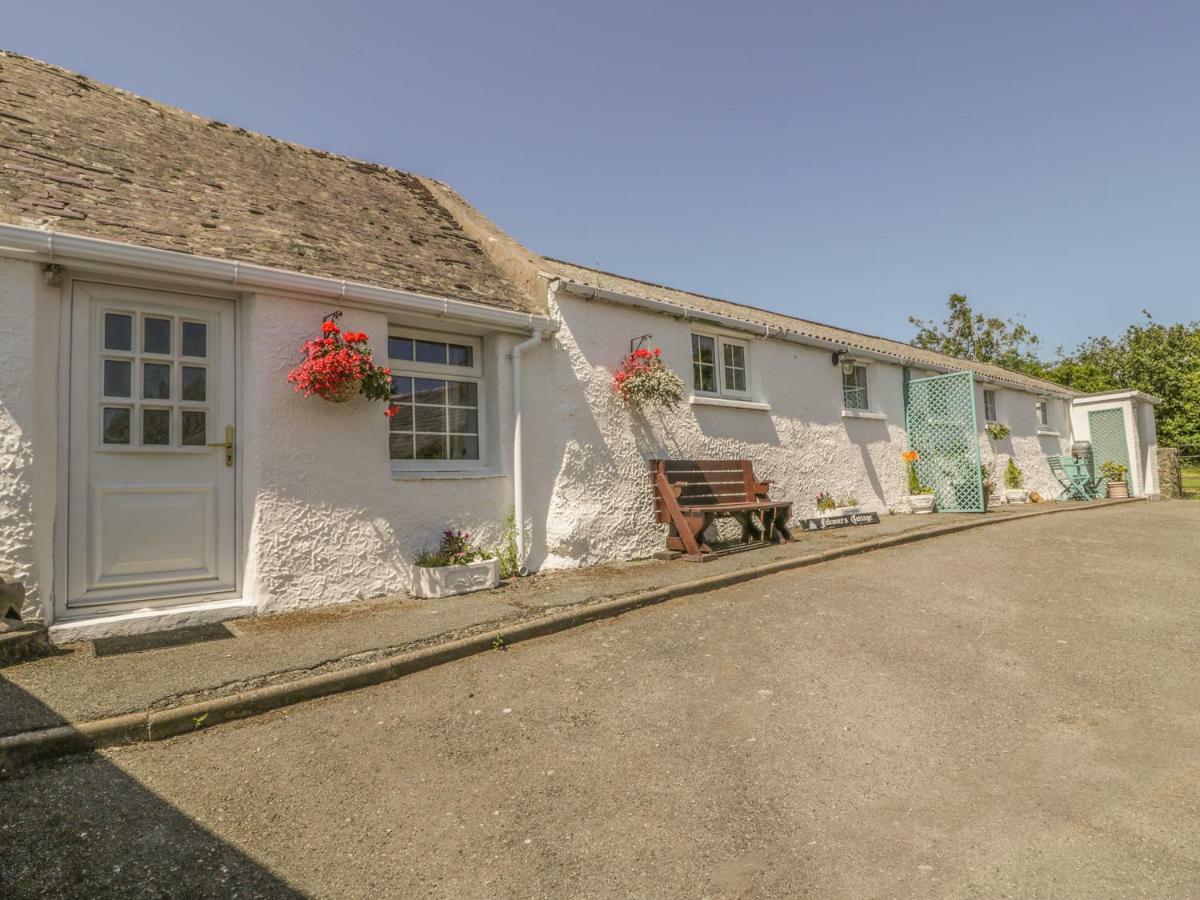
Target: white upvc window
(1043, 413)
(989, 406)
(854, 388)
(437, 387)
(720, 366)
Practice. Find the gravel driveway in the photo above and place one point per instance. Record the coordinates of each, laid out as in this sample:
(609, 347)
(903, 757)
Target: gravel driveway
(1013, 711)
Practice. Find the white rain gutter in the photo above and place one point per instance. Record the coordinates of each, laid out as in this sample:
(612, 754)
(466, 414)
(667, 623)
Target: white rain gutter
(588, 292)
(58, 248)
(518, 477)
(1106, 396)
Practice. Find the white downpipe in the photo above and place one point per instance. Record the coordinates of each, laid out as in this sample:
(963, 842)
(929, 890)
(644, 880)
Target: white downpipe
(518, 477)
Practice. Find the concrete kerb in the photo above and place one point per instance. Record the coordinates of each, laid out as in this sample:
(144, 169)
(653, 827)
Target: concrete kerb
(152, 725)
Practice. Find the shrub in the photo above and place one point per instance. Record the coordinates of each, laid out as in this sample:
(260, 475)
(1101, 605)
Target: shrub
(1113, 471)
(1013, 477)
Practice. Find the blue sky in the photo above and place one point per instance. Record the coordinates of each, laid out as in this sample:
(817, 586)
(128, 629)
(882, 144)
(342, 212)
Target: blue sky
(848, 162)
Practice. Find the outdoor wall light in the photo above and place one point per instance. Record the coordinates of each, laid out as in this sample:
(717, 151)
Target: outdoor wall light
(842, 358)
(52, 275)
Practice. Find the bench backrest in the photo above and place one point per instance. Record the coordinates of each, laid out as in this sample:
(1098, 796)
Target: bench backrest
(705, 482)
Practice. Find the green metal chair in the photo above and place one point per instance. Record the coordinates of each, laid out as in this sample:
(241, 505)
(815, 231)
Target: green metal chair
(1076, 479)
(1072, 488)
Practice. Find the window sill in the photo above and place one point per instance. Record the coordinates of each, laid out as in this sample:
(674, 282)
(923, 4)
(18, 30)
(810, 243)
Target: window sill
(1045, 432)
(730, 403)
(446, 475)
(862, 414)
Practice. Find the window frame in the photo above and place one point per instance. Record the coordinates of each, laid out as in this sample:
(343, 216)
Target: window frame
(1041, 412)
(446, 372)
(995, 416)
(865, 388)
(136, 357)
(720, 342)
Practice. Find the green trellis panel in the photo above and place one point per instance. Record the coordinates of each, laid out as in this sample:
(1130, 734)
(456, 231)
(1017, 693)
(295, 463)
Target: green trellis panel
(940, 412)
(1109, 443)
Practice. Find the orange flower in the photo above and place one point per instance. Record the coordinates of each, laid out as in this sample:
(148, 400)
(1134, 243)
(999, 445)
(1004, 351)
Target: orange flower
(911, 456)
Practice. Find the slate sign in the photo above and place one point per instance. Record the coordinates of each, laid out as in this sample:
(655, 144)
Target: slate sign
(819, 524)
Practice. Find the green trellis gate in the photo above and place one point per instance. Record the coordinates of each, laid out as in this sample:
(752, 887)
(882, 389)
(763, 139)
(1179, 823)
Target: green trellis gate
(940, 413)
(1109, 441)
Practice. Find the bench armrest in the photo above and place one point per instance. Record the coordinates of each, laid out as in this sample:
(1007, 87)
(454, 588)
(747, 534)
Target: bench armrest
(762, 488)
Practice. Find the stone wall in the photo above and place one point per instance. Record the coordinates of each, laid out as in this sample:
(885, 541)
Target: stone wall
(1170, 474)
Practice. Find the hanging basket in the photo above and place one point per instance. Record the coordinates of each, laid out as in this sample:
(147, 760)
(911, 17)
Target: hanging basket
(343, 392)
(338, 365)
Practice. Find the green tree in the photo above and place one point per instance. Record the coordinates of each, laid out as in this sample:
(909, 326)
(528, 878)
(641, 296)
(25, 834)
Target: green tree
(972, 335)
(1163, 360)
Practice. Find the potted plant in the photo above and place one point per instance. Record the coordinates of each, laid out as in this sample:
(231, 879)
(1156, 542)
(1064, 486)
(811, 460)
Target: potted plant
(644, 380)
(338, 365)
(1114, 476)
(845, 506)
(456, 567)
(920, 496)
(1013, 479)
(990, 496)
(997, 431)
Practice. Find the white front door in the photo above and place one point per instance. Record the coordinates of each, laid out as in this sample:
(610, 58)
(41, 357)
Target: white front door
(151, 501)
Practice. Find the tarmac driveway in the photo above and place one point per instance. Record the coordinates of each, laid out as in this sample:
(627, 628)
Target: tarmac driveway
(1012, 711)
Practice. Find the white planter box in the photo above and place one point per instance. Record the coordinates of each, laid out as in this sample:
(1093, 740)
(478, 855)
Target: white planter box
(921, 504)
(838, 511)
(1016, 495)
(446, 581)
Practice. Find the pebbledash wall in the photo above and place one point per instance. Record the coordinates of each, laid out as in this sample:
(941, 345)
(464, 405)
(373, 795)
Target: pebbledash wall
(327, 520)
(324, 519)
(28, 429)
(587, 487)
(1028, 442)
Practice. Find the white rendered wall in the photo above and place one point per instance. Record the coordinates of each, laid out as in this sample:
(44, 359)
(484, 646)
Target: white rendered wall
(586, 469)
(1137, 446)
(1148, 446)
(1141, 434)
(325, 520)
(28, 431)
(1027, 443)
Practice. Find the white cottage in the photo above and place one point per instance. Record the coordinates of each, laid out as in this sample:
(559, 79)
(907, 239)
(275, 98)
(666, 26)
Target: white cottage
(159, 272)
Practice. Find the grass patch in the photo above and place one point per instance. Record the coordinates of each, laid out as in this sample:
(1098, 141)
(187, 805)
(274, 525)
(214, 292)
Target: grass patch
(1191, 482)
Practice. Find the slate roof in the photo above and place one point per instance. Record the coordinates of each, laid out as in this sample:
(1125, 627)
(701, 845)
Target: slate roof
(89, 159)
(852, 339)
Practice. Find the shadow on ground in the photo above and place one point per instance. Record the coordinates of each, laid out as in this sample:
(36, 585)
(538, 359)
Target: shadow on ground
(93, 831)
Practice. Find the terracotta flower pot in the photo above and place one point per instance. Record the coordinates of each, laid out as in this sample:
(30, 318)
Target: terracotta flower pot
(1118, 490)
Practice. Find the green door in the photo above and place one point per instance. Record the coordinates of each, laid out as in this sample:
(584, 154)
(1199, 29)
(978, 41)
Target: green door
(940, 412)
(1109, 443)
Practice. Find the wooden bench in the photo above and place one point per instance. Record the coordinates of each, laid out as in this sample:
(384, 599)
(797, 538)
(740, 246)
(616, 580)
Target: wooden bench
(689, 494)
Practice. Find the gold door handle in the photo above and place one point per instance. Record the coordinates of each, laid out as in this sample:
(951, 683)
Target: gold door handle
(227, 444)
